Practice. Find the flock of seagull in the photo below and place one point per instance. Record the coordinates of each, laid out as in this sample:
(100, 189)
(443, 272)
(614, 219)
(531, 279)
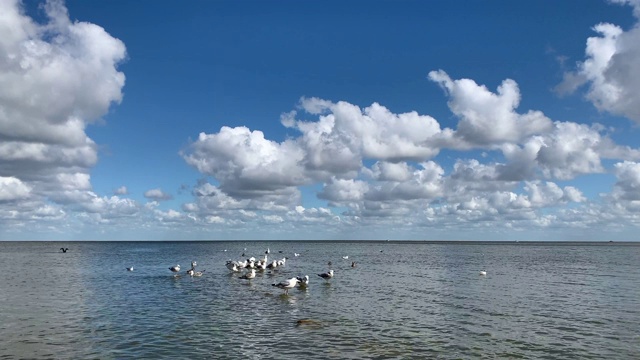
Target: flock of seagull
(251, 265)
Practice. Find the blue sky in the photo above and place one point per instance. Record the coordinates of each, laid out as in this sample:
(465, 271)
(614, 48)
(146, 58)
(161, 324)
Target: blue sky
(499, 120)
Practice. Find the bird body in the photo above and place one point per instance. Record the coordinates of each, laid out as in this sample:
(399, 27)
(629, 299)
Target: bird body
(249, 275)
(64, 250)
(483, 273)
(195, 273)
(130, 268)
(328, 275)
(287, 284)
(175, 269)
(303, 281)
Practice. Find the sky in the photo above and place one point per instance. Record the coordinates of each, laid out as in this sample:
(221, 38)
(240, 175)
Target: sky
(312, 120)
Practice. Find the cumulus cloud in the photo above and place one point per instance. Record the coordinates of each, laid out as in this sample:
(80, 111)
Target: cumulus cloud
(246, 164)
(12, 188)
(122, 190)
(611, 69)
(488, 118)
(157, 195)
(56, 77)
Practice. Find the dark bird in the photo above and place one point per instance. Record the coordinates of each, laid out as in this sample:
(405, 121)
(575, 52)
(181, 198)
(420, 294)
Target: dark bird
(64, 250)
(327, 275)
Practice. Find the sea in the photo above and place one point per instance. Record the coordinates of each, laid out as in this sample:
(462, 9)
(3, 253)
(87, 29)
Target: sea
(387, 300)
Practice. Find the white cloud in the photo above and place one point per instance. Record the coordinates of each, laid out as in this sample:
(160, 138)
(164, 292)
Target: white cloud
(122, 190)
(157, 195)
(246, 164)
(12, 188)
(627, 188)
(56, 77)
(488, 118)
(611, 69)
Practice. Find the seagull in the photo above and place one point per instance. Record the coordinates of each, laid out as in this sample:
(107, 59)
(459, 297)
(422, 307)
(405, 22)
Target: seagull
(296, 254)
(353, 264)
(327, 275)
(304, 281)
(175, 269)
(64, 250)
(195, 273)
(268, 251)
(287, 284)
(130, 268)
(249, 275)
(345, 257)
(483, 273)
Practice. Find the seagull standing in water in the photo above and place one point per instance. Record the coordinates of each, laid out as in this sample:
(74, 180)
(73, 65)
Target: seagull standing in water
(327, 275)
(303, 281)
(287, 284)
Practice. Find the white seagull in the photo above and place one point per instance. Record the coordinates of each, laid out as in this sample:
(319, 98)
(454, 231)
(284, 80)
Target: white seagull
(327, 275)
(175, 269)
(287, 284)
(483, 273)
(130, 268)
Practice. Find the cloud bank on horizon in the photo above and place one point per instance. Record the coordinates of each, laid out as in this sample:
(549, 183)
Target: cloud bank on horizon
(373, 173)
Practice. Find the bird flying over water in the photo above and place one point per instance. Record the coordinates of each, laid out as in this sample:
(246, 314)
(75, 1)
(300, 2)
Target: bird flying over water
(64, 250)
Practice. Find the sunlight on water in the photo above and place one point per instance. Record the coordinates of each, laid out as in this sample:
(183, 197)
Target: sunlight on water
(400, 301)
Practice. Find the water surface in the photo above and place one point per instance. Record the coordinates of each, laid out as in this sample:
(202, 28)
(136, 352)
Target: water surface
(401, 301)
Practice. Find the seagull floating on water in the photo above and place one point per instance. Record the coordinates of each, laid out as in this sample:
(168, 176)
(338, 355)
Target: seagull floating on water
(345, 257)
(195, 273)
(130, 268)
(175, 269)
(287, 284)
(249, 275)
(327, 275)
(483, 273)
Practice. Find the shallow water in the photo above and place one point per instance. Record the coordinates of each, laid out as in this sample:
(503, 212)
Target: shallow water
(538, 301)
